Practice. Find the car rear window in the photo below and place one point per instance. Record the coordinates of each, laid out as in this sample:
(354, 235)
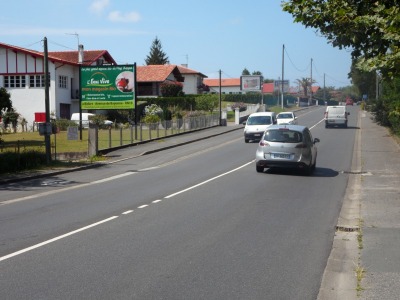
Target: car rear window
(284, 116)
(259, 120)
(336, 110)
(283, 136)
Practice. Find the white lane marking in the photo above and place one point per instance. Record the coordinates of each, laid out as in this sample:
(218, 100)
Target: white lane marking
(317, 124)
(143, 206)
(208, 180)
(127, 212)
(112, 178)
(156, 201)
(66, 189)
(55, 239)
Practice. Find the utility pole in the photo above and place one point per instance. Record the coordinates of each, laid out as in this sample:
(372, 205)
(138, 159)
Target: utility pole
(283, 63)
(47, 102)
(324, 90)
(220, 99)
(310, 101)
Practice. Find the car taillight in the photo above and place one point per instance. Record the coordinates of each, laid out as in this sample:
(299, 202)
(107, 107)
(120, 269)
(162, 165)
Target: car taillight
(263, 143)
(301, 146)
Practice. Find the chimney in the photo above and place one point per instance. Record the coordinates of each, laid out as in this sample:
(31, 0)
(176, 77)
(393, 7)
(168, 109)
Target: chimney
(80, 54)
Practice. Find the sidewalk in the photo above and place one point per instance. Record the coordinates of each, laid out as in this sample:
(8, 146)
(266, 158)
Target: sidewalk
(380, 212)
(365, 259)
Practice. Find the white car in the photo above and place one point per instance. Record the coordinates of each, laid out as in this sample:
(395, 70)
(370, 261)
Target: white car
(287, 117)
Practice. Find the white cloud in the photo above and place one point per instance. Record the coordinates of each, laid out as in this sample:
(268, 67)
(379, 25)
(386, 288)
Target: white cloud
(117, 16)
(98, 6)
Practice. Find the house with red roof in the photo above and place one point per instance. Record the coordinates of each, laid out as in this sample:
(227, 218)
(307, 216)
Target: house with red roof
(22, 75)
(228, 85)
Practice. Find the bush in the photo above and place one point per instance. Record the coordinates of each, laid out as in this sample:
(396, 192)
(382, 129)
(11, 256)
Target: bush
(242, 106)
(13, 162)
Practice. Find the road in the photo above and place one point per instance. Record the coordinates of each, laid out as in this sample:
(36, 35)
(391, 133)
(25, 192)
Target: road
(192, 222)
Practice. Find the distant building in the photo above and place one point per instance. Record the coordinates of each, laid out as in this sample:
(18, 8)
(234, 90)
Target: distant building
(22, 75)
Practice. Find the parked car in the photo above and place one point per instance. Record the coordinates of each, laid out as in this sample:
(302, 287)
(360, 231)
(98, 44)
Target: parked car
(287, 117)
(256, 124)
(336, 116)
(287, 146)
(86, 120)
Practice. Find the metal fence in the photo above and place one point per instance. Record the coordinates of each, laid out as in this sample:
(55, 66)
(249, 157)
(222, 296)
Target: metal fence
(112, 138)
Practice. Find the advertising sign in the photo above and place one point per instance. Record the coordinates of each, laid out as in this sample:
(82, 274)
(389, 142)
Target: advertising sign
(107, 87)
(251, 82)
(278, 85)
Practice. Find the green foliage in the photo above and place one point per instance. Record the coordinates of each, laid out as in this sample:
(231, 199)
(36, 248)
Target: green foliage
(245, 72)
(13, 162)
(63, 124)
(11, 117)
(207, 102)
(5, 101)
(364, 81)
(156, 56)
(370, 28)
(171, 89)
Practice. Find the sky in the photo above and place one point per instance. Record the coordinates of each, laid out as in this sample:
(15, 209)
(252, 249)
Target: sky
(208, 36)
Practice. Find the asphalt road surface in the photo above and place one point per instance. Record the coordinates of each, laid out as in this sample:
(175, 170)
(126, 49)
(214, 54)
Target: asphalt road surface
(192, 222)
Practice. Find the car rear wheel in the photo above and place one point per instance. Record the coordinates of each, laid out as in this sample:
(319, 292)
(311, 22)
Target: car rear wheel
(246, 140)
(259, 169)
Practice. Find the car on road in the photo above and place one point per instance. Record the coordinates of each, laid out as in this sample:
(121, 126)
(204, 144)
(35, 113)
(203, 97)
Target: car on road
(256, 124)
(86, 120)
(287, 117)
(287, 146)
(336, 116)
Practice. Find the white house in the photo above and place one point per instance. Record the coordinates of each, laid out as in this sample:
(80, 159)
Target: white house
(193, 80)
(22, 75)
(228, 85)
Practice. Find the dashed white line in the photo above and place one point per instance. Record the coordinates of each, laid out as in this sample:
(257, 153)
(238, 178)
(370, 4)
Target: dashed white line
(156, 201)
(55, 239)
(127, 212)
(143, 206)
(208, 180)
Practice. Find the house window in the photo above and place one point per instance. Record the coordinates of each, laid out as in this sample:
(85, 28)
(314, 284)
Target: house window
(37, 80)
(14, 81)
(62, 82)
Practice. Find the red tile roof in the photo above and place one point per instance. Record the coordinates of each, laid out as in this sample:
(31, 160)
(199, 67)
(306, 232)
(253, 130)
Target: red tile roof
(89, 56)
(69, 57)
(185, 70)
(224, 82)
(157, 73)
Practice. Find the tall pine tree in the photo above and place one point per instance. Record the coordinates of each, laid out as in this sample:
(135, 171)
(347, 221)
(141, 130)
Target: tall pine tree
(156, 56)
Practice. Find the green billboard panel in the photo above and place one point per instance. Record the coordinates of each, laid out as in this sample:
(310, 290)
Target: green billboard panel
(107, 87)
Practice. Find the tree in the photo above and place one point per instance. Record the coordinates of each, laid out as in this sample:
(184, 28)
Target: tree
(256, 73)
(245, 72)
(207, 102)
(305, 85)
(370, 28)
(156, 56)
(172, 89)
(5, 101)
(364, 81)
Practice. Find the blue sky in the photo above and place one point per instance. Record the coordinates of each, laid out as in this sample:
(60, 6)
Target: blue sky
(207, 35)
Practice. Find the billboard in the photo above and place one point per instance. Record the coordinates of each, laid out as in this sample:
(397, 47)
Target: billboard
(107, 87)
(278, 85)
(251, 82)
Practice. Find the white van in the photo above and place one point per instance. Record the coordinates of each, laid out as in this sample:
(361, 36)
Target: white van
(336, 116)
(85, 119)
(256, 124)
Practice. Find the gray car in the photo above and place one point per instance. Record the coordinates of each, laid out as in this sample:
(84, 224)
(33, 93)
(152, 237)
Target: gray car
(287, 146)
